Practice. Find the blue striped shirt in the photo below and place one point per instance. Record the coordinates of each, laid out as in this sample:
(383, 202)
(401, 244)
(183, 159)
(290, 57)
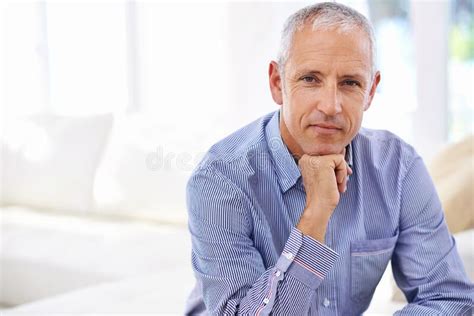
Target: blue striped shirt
(246, 197)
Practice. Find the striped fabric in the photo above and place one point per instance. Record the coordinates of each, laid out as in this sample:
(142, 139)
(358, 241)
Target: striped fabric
(246, 197)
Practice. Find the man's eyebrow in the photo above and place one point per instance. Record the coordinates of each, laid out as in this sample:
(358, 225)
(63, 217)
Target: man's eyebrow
(354, 76)
(307, 72)
(301, 72)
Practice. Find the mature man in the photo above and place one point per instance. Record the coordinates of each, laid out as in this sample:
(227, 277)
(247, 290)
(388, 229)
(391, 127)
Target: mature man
(300, 212)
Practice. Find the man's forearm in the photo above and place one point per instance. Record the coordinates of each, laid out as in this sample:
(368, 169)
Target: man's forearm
(287, 288)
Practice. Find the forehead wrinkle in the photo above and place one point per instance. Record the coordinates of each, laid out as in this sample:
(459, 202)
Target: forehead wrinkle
(324, 68)
(314, 54)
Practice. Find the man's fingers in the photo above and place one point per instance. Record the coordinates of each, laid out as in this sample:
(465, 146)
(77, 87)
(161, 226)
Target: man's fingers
(340, 176)
(341, 170)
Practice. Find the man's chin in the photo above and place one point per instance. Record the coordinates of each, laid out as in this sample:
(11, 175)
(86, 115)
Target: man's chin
(324, 150)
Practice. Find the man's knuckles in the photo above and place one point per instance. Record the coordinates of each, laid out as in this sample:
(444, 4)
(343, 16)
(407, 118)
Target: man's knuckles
(318, 162)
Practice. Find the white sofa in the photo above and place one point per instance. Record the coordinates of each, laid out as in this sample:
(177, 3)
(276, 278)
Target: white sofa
(88, 203)
(56, 263)
(93, 218)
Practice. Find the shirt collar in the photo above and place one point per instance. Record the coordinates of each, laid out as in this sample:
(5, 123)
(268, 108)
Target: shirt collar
(287, 170)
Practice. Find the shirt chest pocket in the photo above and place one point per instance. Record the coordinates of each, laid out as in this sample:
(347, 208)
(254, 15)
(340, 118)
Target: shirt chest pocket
(369, 258)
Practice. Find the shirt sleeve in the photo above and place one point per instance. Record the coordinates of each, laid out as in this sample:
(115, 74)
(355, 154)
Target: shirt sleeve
(425, 263)
(233, 274)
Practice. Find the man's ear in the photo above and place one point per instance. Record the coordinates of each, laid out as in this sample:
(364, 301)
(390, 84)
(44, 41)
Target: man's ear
(375, 83)
(275, 83)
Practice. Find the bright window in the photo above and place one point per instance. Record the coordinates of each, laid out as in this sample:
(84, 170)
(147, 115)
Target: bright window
(461, 69)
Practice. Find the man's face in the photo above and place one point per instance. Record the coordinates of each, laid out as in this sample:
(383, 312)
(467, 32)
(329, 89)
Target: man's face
(327, 86)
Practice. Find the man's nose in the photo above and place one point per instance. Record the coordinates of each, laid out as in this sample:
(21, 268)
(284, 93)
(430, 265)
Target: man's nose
(329, 101)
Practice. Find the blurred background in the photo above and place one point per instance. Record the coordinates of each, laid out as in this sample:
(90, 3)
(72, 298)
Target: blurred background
(107, 106)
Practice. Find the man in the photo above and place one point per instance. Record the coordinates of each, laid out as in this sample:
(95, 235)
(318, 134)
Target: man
(300, 212)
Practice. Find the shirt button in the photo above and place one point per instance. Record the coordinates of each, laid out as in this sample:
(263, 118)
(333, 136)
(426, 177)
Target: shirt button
(266, 300)
(326, 302)
(278, 273)
(289, 255)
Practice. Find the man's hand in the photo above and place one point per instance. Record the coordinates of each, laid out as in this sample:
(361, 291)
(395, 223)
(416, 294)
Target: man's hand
(324, 179)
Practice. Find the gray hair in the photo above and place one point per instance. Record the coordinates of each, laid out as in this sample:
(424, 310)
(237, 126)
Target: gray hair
(324, 15)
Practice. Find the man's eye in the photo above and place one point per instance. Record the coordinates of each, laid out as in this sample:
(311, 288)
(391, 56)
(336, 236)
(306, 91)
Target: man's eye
(351, 83)
(309, 79)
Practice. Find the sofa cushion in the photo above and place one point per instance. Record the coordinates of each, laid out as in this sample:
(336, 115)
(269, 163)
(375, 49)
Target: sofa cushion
(49, 161)
(144, 170)
(453, 174)
(47, 253)
(162, 293)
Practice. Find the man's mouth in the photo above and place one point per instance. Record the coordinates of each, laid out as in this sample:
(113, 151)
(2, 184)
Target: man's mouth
(325, 128)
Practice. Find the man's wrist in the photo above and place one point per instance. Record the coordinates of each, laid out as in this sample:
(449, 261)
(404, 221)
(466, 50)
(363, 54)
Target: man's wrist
(313, 223)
